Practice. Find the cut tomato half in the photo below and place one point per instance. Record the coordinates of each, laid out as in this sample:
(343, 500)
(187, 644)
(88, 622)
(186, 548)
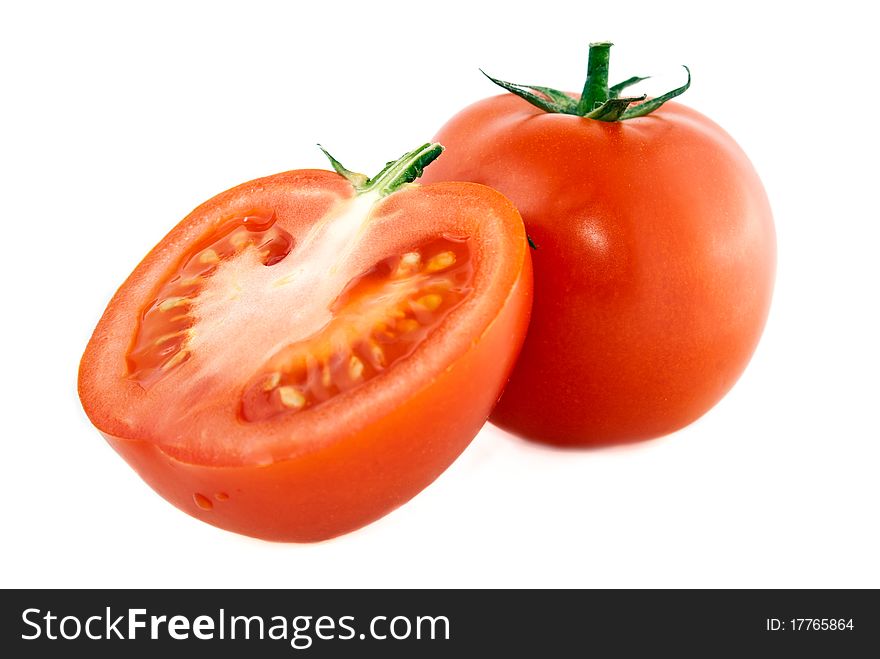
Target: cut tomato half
(307, 351)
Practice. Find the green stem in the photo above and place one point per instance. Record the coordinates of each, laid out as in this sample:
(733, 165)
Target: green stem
(357, 180)
(405, 169)
(395, 174)
(598, 101)
(596, 86)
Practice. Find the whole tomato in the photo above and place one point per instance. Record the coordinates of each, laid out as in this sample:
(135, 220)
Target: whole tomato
(654, 262)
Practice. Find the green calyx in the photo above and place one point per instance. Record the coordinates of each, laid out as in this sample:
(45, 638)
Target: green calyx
(598, 100)
(396, 173)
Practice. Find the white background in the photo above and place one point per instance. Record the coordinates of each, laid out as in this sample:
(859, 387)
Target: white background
(116, 121)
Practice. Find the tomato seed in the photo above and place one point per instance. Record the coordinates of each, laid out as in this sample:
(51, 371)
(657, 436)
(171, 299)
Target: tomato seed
(239, 239)
(272, 381)
(355, 368)
(180, 357)
(172, 303)
(440, 261)
(291, 397)
(377, 355)
(430, 301)
(409, 265)
(209, 256)
(407, 325)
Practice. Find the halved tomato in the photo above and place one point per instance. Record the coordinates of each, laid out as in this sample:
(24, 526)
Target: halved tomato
(307, 351)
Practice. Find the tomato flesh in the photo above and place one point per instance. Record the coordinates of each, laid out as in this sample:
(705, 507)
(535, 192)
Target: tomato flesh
(379, 319)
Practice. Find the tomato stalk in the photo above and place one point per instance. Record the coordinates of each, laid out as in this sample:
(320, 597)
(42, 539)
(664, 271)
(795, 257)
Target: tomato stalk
(597, 101)
(596, 85)
(396, 173)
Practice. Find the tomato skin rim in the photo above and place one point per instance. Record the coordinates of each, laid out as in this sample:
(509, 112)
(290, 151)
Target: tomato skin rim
(342, 487)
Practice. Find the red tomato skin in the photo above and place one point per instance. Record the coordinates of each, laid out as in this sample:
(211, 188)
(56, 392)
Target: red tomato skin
(358, 479)
(654, 270)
